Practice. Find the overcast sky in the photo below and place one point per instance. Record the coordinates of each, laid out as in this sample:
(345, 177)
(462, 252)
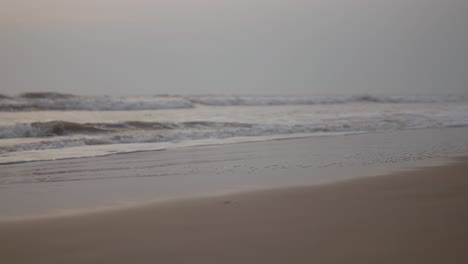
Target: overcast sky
(234, 46)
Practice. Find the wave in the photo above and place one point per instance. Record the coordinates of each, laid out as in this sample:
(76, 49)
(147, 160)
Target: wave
(45, 95)
(213, 131)
(55, 101)
(150, 132)
(58, 101)
(296, 100)
(46, 129)
(60, 128)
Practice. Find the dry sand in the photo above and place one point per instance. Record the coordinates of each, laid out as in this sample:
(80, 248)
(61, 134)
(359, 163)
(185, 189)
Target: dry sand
(410, 217)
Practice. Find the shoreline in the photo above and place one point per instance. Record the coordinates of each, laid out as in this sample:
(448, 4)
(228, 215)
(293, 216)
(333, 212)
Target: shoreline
(208, 143)
(164, 146)
(70, 214)
(78, 186)
(414, 216)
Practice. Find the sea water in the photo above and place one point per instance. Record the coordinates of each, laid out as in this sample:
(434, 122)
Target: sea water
(48, 126)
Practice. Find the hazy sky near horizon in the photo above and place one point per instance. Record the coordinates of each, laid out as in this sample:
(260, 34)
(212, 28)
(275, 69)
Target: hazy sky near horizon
(234, 46)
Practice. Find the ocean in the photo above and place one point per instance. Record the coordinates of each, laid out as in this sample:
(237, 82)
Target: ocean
(49, 126)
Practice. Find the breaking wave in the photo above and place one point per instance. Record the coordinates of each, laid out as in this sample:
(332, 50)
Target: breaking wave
(58, 101)
(60, 128)
(30, 136)
(49, 133)
(45, 95)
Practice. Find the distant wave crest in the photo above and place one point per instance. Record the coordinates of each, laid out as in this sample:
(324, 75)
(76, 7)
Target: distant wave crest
(305, 100)
(58, 101)
(55, 101)
(45, 95)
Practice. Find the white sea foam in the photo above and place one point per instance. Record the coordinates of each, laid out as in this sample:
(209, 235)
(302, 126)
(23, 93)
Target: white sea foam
(125, 133)
(218, 118)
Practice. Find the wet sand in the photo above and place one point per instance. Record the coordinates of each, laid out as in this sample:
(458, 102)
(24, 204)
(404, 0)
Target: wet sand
(88, 184)
(409, 217)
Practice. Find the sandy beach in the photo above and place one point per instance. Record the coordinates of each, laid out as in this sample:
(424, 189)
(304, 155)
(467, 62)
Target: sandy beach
(393, 197)
(234, 132)
(410, 217)
(74, 186)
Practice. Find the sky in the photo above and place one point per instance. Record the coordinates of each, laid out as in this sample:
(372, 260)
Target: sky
(124, 47)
